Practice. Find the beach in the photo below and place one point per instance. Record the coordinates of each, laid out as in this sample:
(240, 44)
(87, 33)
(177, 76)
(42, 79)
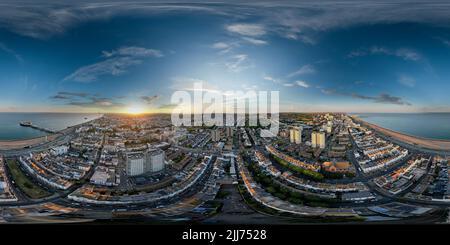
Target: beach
(432, 144)
(6, 145)
(18, 144)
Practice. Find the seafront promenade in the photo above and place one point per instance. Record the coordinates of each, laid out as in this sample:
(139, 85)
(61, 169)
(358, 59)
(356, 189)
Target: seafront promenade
(8, 145)
(432, 144)
(17, 144)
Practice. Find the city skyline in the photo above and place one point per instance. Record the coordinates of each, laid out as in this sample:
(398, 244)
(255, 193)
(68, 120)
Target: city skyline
(195, 114)
(112, 57)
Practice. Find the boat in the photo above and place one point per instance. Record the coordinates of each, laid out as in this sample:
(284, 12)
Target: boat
(26, 124)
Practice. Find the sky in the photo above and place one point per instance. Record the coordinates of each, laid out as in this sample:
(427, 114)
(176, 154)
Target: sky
(111, 56)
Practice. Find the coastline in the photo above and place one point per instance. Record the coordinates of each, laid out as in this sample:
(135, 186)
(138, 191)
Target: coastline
(431, 144)
(22, 143)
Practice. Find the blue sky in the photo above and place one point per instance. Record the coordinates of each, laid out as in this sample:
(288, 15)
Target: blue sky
(354, 56)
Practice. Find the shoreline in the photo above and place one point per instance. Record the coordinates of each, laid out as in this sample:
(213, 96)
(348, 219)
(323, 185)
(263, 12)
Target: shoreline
(22, 143)
(426, 143)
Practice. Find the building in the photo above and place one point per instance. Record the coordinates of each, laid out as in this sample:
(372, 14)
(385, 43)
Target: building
(229, 131)
(104, 176)
(135, 163)
(59, 150)
(151, 160)
(318, 139)
(295, 135)
(156, 160)
(215, 135)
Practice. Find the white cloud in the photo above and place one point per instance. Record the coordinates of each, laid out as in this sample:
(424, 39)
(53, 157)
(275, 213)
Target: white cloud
(42, 21)
(269, 78)
(302, 84)
(255, 41)
(407, 54)
(306, 69)
(5, 49)
(407, 81)
(252, 30)
(117, 63)
(404, 53)
(238, 63)
(289, 19)
(133, 51)
(114, 66)
(220, 45)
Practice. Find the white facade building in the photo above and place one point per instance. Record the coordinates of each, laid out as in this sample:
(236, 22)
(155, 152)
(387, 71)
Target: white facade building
(59, 150)
(151, 160)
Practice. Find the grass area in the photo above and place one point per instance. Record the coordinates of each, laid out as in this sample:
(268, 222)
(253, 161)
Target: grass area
(305, 117)
(305, 172)
(26, 185)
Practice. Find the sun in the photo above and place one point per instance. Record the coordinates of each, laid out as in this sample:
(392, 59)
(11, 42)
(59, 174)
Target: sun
(135, 110)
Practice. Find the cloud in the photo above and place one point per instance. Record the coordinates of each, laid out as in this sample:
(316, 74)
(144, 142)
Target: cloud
(269, 78)
(224, 47)
(306, 69)
(81, 99)
(63, 95)
(133, 51)
(238, 63)
(167, 106)
(115, 66)
(220, 45)
(93, 102)
(404, 53)
(299, 83)
(42, 21)
(407, 81)
(5, 49)
(250, 30)
(444, 41)
(150, 99)
(302, 84)
(117, 63)
(291, 19)
(382, 98)
(407, 54)
(255, 41)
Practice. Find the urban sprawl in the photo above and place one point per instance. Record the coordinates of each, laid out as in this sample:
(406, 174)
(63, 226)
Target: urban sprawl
(320, 166)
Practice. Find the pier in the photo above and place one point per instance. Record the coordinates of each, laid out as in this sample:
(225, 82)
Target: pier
(30, 125)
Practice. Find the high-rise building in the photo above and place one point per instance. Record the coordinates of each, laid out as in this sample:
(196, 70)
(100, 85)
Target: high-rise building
(135, 163)
(291, 135)
(318, 139)
(215, 135)
(295, 135)
(229, 131)
(155, 160)
(151, 160)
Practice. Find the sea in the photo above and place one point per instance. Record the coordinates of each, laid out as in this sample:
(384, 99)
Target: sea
(11, 130)
(424, 125)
